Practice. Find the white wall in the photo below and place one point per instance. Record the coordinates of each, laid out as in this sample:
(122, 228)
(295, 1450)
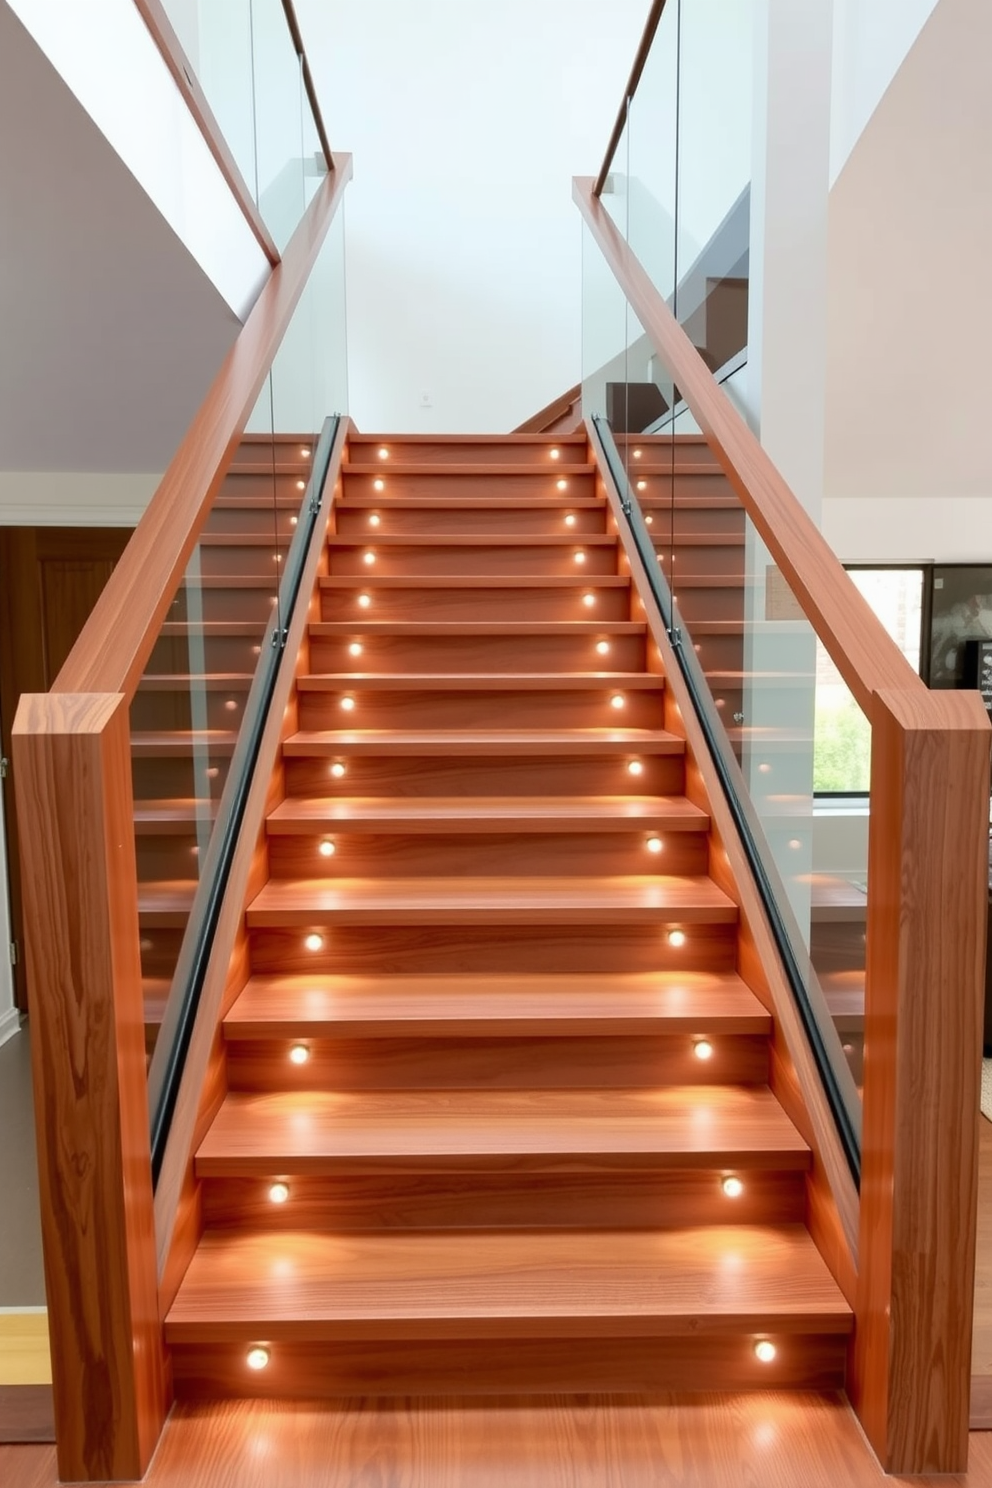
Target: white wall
(467, 122)
(871, 40)
(106, 55)
(909, 372)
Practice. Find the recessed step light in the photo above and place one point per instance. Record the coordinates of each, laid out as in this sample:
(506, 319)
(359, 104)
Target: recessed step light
(378, 485)
(364, 600)
(602, 648)
(327, 849)
(257, 1358)
(374, 519)
(314, 943)
(339, 770)
(764, 1350)
(555, 454)
(562, 485)
(299, 1053)
(383, 452)
(618, 700)
(348, 704)
(703, 1049)
(355, 649)
(654, 844)
(733, 1187)
(676, 937)
(279, 1193)
(635, 767)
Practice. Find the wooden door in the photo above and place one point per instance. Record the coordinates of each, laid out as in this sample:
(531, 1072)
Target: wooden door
(50, 579)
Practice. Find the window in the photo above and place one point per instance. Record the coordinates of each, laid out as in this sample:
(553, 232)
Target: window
(842, 744)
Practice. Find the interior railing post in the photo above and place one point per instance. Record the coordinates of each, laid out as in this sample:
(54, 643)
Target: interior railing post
(927, 909)
(74, 803)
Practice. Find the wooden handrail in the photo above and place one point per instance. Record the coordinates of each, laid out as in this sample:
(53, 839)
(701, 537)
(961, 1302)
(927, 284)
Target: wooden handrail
(156, 18)
(861, 649)
(115, 643)
(643, 52)
(318, 118)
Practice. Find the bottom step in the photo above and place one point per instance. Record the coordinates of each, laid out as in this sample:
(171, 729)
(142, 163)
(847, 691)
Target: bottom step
(367, 1312)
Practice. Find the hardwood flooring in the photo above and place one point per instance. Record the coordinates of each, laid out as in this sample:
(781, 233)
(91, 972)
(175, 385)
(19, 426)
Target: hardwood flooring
(708, 1441)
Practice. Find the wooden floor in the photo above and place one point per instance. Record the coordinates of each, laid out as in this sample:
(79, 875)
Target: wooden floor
(775, 1441)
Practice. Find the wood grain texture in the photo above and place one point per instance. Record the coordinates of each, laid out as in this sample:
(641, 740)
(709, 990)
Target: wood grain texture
(81, 921)
(315, 1006)
(156, 18)
(865, 655)
(510, 901)
(118, 637)
(685, 1126)
(924, 998)
(498, 1284)
(738, 1440)
(180, 1146)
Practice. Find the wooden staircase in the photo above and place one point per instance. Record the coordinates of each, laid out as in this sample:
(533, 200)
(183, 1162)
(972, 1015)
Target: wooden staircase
(497, 1113)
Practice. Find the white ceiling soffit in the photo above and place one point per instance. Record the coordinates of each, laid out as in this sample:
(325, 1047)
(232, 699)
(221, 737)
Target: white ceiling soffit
(110, 332)
(105, 54)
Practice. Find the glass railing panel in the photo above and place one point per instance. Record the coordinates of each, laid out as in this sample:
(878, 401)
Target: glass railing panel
(186, 713)
(228, 617)
(216, 36)
(280, 100)
(715, 142)
(652, 177)
(750, 657)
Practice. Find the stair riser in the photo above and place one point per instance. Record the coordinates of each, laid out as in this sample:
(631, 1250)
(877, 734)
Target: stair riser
(232, 559)
(284, 449)
(159, 949)
(240, 603)
(546, 521)
(161, 778)
(258, 521)
(196, 652)
(523, 653)
(483, 602)
(697, 601)
(419, 775)
(239, 485)
(540, 486)
(656, 1199)
(486, 711)
(425, 561)
(169, 856)
(162, 710)
(619, 1062)
(696, 560)
(720, 653)
(523, 452)
(570, 949)
(514, 1366)
(701, 484)
(368, 855)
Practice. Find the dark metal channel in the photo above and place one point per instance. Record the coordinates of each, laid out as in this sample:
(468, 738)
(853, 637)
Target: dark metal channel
(166, 1073)
(770, 889)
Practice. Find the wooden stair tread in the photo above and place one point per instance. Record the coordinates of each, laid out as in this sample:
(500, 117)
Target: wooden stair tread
(477, 469)
(307, 743)
(517, 901)
(485, 540)
(183, 741)
(476, 581)
(502, 813)
(187, 681)
(446, 629)
(180, 814)
(480, 681)
(707, 1126)
(379, 501)
(502, 1283)
(166, 903)
(450, 1004)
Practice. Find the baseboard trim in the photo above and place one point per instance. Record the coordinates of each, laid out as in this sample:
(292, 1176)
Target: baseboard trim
(10, 1023)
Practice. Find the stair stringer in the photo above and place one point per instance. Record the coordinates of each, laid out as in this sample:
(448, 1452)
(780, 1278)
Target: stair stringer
(831, 1196)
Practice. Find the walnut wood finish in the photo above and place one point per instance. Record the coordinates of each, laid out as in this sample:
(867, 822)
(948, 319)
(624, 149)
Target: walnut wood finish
(924, 998)
(156, 18)
(115, 643)
(88, 1055)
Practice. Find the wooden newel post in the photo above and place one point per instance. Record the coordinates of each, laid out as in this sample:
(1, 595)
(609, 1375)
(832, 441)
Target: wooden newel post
(927, 866)
(72, 771)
